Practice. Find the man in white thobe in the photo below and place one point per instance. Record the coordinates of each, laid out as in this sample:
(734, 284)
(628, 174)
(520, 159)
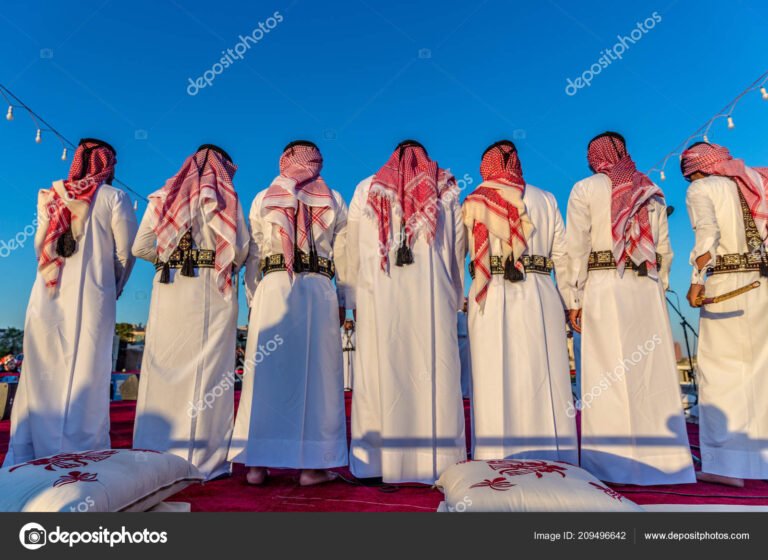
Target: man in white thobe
(83, 243)
(195, 235)
(633, 428)
(405, 262)
(521, 389)
(729, 213)
(348, 348)
(291, 412)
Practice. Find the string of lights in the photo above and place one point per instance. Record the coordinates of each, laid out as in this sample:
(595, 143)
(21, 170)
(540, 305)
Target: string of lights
(41, 125)
(703, 131)
(726, 112)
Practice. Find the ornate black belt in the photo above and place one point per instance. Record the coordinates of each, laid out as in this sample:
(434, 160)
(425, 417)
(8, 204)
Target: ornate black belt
(186, 258)
(273, 263)
(531, 263)
(201, 258)
(603, 260)
(736, 262)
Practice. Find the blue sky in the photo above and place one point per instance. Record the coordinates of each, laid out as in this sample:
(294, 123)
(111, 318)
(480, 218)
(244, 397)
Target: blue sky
(357, 77)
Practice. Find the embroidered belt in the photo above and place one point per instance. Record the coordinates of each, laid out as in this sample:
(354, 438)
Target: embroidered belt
(736, 262)
(603, 260)
(201, 258)
(531, 263)
(273, 263)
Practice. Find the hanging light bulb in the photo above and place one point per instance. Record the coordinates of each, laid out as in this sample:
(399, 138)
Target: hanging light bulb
(730, 123)
(64, 155)
(764, 93)
(39, 136)
(663, 176)
(9, 114)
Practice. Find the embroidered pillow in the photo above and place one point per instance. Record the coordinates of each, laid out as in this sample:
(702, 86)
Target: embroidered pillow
(95, 481)
(526, 485)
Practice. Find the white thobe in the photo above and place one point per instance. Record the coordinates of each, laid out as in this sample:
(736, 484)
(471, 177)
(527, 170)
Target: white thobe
(62, 403)
(732, 354)
(521, 388)
(187, 385)
(407, 413)
(465, 355)
(348, 349)
(291, 412)
(632, 423)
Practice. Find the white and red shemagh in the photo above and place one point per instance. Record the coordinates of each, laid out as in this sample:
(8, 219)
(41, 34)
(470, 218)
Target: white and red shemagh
(630, 195)
(497, 207)
(712, 159)
(412, 185)
(67, 204)
(203, 183)
(298, 201)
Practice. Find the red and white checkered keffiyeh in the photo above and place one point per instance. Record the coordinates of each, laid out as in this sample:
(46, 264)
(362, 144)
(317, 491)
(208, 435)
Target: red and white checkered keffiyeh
(412, 185)
(67, 203)
(497, 207)
(712, 159)
(203, 184)
(630, 195)
(298, 201)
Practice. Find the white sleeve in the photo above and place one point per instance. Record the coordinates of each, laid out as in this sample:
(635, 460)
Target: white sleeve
(123, 231)
(701, 211)
(43, 219)
(253, 260)
(243, 239)
(352, 257)
(560, 253)
(663, 246)
(460, 253)
(578, 244)
(145, 243)
(340, 250)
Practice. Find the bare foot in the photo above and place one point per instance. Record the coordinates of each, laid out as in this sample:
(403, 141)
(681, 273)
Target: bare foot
(720, 479)
(310, 477)
(256, 475)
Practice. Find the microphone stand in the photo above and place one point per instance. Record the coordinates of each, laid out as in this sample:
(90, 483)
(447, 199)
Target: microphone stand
(686, 326)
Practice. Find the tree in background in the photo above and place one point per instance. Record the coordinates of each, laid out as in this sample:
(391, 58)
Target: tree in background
(11, 341)
(124, 331)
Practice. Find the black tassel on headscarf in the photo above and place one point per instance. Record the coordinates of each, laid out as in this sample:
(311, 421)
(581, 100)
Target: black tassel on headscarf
(404, 252)
(165, 274)
(511, 272)
(66, 246)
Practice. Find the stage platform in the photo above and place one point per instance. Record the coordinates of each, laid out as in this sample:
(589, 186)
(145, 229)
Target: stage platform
(282, 492)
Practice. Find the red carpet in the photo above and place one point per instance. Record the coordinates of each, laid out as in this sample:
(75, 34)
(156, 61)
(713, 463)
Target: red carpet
(282, 492)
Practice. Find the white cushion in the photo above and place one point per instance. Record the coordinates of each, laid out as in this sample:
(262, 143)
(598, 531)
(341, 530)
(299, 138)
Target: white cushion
(95, 481)
(526, 485)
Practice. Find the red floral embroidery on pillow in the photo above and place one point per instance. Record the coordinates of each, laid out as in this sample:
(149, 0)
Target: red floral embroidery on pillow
(513, 467)
(68, 460)
(499, 483)
(75, 476)
(605, 490)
